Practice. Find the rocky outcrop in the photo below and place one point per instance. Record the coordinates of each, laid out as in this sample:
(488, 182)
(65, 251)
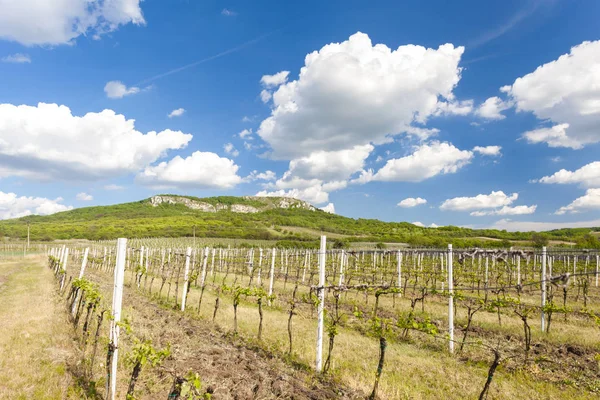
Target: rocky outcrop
(189, 203)
(267, 202)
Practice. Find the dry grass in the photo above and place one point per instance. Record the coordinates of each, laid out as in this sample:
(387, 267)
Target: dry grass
(35, 338)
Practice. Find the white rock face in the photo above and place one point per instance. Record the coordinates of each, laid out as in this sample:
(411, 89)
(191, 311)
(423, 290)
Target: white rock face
(269, 203)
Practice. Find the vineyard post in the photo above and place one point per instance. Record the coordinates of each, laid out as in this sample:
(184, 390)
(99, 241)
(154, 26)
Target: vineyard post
(519, 270)
(271, 275)
(186, 277)
(116, 316)
(321, 309)
(543, 287)
(64, 269)
(342, 267)
(399, 284)
(84, 262)
(204, 263)
(597, 260)
(450, 301)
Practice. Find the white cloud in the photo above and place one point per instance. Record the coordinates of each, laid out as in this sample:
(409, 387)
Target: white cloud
(84, 197)
(526, 226)
(565, 92)
(231, 150)
(48, 142)
(246, 118)
(417, 223)
(587, 176)
(590, 201)
(272, 81)
(481, 201)
(427, 161)
(176, 113)
(492, 108)
(556, 159)
(330, 165)
(411, 202)
(554, 136)
(117, 90)
(246, 134)
(228, 13)
(200, 170)
(12, 206)
(353, 93)
(312, 194)
(506, 210)
(18, 58)
(488, 150)
(261, 176)
(454, 108)
(265, 96)
(35, 22)
(113, 187)
(329, 208)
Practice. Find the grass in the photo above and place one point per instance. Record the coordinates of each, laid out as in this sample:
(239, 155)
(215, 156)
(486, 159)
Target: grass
(35, 338)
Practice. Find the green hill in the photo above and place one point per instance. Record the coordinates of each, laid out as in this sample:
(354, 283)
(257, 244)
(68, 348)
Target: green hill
(266, 218)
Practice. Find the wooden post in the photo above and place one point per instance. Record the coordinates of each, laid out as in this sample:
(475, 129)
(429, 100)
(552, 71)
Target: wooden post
(342, 260)
(543, 287)
(116, 317)
(272, 274)
(450, 301)
(519, 270)
(186, 277)
(597, 262)
(399, 260)
(64, 268)
(204, 262)
(84, 262)
(321, 306)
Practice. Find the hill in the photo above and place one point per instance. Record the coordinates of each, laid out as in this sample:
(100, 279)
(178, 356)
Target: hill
(266, 218)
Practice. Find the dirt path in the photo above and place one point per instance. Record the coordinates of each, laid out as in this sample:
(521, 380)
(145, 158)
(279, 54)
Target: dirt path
(35, 339)
(229, 368)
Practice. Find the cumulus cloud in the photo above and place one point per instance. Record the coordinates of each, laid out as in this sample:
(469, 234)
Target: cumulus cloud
(200, 170)
(84, 197)
(246, 134)
(492, 108)
(481, 201)
(464, 107)
(588, 176)
(13, 206)
(312, 194)
(329, 208)
(265, 96)
(272, 81)
(330, 165)
(355, 93)
(590, 201)
(34, 22)
(427, 161)
(118, 90)
(231, 150)
(488, 150)
(18, 58)
(566, 93)
(261, 176)
(48, 142)
(411, 202)
(228, 13)
(506, 210)
(554, 136)
(176, 113)
(422, 225)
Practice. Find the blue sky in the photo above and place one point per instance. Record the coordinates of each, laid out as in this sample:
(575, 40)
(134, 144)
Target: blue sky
(467, 105)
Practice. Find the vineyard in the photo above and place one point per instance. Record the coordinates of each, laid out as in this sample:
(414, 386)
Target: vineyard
(410, 323)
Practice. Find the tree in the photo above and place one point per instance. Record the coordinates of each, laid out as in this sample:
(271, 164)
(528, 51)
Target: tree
(539, 240)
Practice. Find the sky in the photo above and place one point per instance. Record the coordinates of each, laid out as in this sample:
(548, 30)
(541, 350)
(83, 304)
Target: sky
(467, 113)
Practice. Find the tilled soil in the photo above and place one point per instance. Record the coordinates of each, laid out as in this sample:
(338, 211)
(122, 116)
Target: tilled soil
(229, 367)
